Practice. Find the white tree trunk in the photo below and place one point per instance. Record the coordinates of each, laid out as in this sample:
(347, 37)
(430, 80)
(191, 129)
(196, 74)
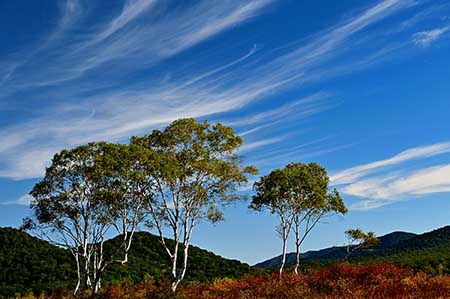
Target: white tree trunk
(180, 277)
(77, 286)
(297, 253)
(298, 242)
(175, 261)
(86, 273)
(97, 285)
(283, 258)
(285, 228)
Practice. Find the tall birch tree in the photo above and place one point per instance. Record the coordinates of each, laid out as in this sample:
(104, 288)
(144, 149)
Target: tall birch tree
(198, 172)
(272, 193)
(82, 197)
(310, 200)
(299, 195)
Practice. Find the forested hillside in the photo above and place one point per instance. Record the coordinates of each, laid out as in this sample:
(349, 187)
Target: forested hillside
(30, 264)
(429, 252)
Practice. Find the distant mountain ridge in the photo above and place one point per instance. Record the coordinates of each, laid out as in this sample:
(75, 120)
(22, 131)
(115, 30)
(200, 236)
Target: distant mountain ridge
(393, 245)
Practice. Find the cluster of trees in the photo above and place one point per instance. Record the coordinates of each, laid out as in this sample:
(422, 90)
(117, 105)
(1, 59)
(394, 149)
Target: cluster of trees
(166, 181)
(299, 195)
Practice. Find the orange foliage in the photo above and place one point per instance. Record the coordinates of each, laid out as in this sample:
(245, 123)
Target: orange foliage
(338, 281)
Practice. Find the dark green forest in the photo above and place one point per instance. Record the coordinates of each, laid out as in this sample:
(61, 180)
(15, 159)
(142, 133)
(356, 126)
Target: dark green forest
(428, 252)
(29, 264)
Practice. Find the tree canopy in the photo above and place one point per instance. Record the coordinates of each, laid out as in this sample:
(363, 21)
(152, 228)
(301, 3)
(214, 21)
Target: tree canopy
(299, 194)
(86, 192)
(197, 172)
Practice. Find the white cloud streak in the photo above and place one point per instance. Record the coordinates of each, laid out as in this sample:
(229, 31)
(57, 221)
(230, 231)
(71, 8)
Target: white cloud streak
(426, 38)
(353, 174)
(124, 47)
(124, 41)
(378, 184)
(297, 109)
(131, 10)
(261, 143)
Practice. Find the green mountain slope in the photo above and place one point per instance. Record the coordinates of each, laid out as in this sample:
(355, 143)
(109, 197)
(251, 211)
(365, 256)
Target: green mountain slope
(29, 264)
(147, 257)
(429, 252)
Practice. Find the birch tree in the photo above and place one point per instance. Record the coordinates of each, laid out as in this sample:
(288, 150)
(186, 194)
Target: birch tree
(358, 239)
(123, 201)
(272, 193)
(83, 196)
(310, 200)
(198, 172)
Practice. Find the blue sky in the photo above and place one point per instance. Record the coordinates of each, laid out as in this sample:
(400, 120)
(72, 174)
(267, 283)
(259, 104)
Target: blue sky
(361, 87)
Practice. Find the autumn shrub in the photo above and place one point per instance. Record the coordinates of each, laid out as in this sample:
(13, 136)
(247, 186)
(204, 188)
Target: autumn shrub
(377, 281)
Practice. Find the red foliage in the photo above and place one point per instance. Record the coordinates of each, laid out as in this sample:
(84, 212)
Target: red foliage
(338, 281)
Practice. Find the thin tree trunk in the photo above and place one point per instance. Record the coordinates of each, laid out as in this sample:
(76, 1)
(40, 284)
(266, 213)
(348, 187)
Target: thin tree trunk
(174, 272)
(297, 253)
(77, 259)
(86, 273)
(97, 285)
(350, 251)
(175, 261)
(180, 277)
(187, 236)
(298, 242)
(283, 257)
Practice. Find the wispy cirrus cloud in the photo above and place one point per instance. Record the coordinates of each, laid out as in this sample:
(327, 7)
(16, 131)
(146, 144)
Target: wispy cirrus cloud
(144, 34)
(353, 174)
(297, 109)
(144, 31)
(131, 10)
(255, 144)
(426, 38)
(395, 179)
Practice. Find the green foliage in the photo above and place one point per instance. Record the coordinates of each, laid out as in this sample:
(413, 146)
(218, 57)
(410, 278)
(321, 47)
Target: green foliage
(272, 193)
(297, 189)
(196, 172)
(300, 196)
(198, 162)
(29, 264)
(363, 240)
(308, 186)
(87, 191)
(171, 178)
